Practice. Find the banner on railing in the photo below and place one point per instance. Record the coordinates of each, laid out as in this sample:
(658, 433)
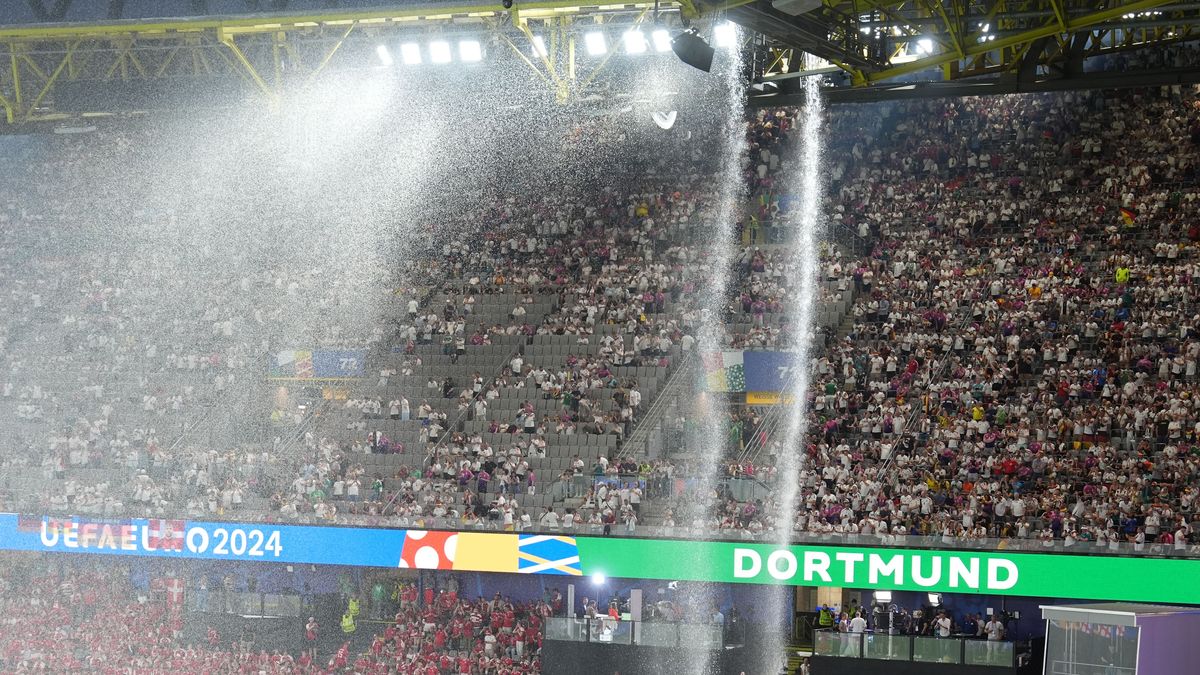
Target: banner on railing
(997, 572)
(318, 364)
(767, 398)
(620, 482)
(763, 374)
(724, 371)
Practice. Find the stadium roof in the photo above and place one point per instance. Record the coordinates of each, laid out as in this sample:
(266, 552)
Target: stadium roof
(873, 48)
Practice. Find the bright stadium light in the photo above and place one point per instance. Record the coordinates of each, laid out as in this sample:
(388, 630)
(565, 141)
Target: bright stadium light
(662, 40)
(635, 42)
(599, 579)
(469, 51)
(725, 34)
(410, 53)
(439, 51)
(385, 57)
(539, 47)
(924, 46)
(594, 41)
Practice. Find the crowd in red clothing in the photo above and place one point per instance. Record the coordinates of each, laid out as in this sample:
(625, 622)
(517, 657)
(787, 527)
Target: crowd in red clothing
(66, 621)
(90, 620)
(447, 635)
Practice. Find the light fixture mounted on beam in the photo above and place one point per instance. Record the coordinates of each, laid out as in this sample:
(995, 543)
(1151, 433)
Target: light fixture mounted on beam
(693, 50)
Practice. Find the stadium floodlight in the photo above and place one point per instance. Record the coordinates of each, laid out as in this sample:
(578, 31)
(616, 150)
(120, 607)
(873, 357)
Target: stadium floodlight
(883, 596)
(599, 579)
(725, 34)
(662, 40)
(439, 51)
(924, 46)
(469, 51)
(594, 41)
(539, 47)
(635, 42)
(410, 53)
(385, 57)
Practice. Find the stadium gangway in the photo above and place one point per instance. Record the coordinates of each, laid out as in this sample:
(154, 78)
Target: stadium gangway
(457, 423)
(653, 420)
(771, 421)
(910, 424)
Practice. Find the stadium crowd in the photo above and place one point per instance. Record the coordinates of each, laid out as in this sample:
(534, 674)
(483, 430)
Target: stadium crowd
(1031, 374)
(76, 618)
(1018, 362)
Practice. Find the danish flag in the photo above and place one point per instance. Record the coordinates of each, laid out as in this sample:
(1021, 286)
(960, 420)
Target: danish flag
(166, 535)
(174, 587)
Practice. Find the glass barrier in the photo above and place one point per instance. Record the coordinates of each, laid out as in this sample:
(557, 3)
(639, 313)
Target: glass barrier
(611, 631)
(989, 653)
(834, 643)
(887, 647)
(564, 629)
(937, 650)
(826, 643)
(654, 634)
(924, 649)
(605, 630)
(1084, 647)
(701, 636)
(280, 605)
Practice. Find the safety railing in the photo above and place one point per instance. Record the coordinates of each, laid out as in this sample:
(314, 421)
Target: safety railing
(637, 445)
(612, 631)
(953, 650)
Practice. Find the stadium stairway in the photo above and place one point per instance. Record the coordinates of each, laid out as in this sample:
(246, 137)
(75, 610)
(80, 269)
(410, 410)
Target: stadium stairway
(795, 656)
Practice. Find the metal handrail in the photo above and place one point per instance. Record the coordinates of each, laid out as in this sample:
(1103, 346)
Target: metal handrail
(911, 422)
(456, 424)
(658, 409)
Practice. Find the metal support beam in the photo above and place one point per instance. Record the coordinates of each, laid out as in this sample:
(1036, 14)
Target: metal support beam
(562, 85)
(976, 47)
(328, 56)
(250, 71)
(953, 28)
(525, 59)
(16, 78)
(604, 62)
(50, 81)
(406, 13)
(1059, 13)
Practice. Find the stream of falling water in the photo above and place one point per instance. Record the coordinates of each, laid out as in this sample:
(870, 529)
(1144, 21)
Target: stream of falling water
(711, 440)
(711, 434)
(804, 261)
